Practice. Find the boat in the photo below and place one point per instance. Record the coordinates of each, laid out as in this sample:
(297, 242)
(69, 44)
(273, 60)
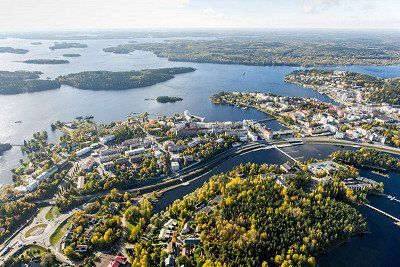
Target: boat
(244, 74)
(18, 122)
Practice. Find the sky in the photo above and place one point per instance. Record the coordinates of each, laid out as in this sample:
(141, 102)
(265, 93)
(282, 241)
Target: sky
(44, 15)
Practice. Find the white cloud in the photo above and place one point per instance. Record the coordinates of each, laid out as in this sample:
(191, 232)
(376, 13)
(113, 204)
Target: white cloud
(212, 13)
(313, 6)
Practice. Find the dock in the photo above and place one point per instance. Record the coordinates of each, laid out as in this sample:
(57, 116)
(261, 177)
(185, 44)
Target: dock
(396, 220)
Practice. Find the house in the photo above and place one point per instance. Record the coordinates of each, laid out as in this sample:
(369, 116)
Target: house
(252, 136)
(287, 167)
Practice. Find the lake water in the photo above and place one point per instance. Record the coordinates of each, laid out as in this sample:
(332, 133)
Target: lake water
(38, 110)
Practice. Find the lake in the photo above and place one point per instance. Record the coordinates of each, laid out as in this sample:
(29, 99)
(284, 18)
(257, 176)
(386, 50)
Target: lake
(38, 110)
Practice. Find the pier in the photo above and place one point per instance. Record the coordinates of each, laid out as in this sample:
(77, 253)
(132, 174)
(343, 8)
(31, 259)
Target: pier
(396, 220)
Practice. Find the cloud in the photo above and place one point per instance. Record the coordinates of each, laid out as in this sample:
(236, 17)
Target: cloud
(212, 13)
(314, 6)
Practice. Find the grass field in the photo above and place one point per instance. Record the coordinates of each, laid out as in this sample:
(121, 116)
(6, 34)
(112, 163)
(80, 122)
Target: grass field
(34, 228)
(53, 213)
(58, 234)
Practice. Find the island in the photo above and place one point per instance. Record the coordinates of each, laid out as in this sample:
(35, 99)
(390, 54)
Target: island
(4, 147)
(272, 51)
(13, 50)
(168, 99)
(46, 61)
(65, 45)
(36, 43)
(27, 81)
(108, 80)
(71, 55)
(18, 82)
(348, 87)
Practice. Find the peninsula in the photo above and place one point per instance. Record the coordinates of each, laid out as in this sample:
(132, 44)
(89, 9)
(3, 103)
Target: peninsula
(66, 45)
(272, 51)
(168, 99)
(13, 50)
(108, 80)
(349, 87)
(18, 82)
(46, 61)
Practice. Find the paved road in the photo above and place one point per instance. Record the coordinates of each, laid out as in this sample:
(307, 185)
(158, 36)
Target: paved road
(41, 237)
(326, 140)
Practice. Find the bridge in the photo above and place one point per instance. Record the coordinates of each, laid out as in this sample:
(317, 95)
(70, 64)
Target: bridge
(324, 140)
(396, 220)
(265, 120)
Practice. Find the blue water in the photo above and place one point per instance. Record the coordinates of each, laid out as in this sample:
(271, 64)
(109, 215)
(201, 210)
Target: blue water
(39, 110)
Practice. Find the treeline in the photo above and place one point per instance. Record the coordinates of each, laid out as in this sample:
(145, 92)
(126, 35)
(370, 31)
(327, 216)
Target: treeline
(367, 157)
(12, 214)
(263, 51)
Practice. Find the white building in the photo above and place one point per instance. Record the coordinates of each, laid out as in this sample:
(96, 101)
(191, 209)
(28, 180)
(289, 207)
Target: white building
(175, 166)
(105, 139)
(83, 151)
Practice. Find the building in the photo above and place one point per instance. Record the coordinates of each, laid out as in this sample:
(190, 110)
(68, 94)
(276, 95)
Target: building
(252, 136)
(136, 151)
(105, 139)
(81, 182)
(175, 166)
(87, 164)
(83, 151)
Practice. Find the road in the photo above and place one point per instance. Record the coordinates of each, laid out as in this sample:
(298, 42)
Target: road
(40, 237)
(325, 140)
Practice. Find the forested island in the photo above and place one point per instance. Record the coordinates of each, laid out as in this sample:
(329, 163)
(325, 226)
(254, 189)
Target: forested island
(367, 157)
(272, 51)
(4, 147)
(349, 86)
(65, 45)
(168, 99)
(11, 50)
(108, 80)
(71, 55)
(18, 82)
(46, 61)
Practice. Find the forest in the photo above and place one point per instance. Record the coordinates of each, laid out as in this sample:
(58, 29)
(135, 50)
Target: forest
(45, 61)
(108, 80)
(7, 49)
(65, 45)
(257, 222)
(168, 99)
(272, 51)
(367, 157)
(18, 82)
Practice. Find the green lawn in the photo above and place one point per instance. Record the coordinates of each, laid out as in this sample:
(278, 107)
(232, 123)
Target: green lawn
(53, 213)
(58, 234)
(34, 228)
